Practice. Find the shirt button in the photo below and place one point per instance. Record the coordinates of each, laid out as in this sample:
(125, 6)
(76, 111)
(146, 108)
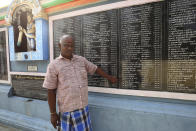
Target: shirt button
(80, 86)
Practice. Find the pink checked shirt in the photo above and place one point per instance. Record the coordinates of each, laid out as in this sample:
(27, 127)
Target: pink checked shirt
(70, 79)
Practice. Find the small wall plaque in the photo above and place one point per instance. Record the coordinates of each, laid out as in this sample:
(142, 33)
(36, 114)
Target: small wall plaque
(31, 68)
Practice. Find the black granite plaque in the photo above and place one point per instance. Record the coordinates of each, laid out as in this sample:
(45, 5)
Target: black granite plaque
(100, 44)
(3, 57)
(70, 26)
(29, 86)
(141, 33)
(181, 45)
(149, 46)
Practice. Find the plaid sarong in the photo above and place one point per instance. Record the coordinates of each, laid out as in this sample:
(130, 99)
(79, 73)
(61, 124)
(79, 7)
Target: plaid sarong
(78, 120)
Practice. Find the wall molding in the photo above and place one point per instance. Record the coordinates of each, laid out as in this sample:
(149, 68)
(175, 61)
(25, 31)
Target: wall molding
(28, 73)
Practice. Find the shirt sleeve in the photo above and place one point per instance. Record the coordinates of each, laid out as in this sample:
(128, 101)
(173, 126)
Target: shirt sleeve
(90, 67)
(50, 81)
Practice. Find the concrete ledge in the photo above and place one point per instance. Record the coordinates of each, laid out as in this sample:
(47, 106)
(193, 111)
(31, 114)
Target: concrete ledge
(24, 122)
(108, 113)
(29, 107)
(141, 105)
(24, 113)
(127, 113)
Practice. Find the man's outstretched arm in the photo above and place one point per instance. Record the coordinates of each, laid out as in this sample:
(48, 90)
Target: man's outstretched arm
(112, 79)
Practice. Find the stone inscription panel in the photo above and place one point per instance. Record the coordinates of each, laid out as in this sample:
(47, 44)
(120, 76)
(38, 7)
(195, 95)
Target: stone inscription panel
(181, 45)
(100, 43)
(149, 46)
(67, 26)
(141, 34)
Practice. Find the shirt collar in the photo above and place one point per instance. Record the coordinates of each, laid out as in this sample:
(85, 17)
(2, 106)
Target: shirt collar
(61, 57)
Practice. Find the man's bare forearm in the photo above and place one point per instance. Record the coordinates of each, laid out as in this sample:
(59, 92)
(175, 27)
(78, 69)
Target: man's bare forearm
(52, 100)
(105, 75)
(102, 73)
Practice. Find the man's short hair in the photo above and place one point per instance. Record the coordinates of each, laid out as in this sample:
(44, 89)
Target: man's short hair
(65, 37)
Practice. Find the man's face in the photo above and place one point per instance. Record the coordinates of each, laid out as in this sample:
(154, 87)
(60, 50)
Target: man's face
(67, 47)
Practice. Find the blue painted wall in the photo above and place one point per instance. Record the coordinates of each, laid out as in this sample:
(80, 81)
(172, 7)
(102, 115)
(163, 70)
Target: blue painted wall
(21, 66)
(110, 112)
(42, 45)
(39, 58)
(128, 113)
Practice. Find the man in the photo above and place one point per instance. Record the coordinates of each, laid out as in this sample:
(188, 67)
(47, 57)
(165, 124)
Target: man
(67, 78)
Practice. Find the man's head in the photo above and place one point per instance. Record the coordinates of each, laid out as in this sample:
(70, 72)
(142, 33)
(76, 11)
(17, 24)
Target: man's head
(66, 45)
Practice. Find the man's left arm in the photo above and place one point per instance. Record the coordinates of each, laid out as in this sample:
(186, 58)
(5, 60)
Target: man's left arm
(112, 79)
(91, 68)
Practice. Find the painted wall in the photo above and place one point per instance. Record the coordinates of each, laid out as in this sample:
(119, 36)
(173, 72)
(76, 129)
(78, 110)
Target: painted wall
(108, 113)
(129, 113)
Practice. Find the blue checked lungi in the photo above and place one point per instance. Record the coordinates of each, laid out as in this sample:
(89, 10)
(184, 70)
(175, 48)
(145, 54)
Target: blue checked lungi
(78, 120)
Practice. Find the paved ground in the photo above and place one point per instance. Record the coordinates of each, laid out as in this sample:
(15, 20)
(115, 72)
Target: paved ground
(7, 128)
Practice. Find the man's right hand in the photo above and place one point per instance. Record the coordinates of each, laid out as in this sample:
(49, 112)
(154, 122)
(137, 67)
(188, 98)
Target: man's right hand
(112, 79)
(55, 120)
